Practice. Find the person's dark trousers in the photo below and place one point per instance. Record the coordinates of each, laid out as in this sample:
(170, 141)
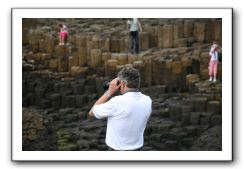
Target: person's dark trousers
(110, 149)
(134, 42)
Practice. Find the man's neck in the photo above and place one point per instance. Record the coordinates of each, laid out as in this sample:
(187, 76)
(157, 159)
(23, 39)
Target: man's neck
(130, 90)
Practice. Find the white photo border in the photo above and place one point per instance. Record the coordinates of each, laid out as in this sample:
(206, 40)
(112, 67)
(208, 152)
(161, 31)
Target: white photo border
(227, 148)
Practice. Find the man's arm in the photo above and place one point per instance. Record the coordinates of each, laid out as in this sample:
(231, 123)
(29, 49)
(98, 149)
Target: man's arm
(105, 97)
(139, 24)
(128, 24)
(219, 49)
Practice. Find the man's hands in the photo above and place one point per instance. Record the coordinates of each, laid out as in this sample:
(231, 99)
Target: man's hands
(104, 98)
(113, 86)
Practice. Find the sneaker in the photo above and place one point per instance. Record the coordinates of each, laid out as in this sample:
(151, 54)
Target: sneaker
(210, 79)
(214, 80)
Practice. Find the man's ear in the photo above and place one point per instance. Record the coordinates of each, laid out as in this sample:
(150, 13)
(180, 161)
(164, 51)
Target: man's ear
(123, 84)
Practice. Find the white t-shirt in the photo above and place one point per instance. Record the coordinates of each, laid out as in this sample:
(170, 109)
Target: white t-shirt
(133, 24)
(127, 118)
(213, 54)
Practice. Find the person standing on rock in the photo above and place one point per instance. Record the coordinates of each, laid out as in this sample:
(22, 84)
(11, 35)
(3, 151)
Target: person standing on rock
(127, 113)
(213, 63)
(63, 34)
(134, 26)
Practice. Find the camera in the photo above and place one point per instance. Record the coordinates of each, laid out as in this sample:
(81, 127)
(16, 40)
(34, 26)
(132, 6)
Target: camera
(107, 83)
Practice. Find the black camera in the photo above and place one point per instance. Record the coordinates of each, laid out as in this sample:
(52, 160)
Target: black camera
(107, 83)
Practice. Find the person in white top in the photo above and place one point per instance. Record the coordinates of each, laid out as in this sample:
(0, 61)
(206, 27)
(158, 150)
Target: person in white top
(134, 26)
(127, 113)
(213, 63)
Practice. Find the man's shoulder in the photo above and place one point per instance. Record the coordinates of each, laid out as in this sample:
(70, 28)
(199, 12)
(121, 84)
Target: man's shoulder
(116, 98)
(146, 97)
(122, 97)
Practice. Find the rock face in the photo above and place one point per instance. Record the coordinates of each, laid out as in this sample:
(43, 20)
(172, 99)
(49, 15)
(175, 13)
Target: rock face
(61, 83)
(36, 132)
(211, 139)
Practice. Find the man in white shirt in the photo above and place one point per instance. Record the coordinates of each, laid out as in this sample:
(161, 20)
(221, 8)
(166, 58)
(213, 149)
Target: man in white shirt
(127, 113)
(134, 25)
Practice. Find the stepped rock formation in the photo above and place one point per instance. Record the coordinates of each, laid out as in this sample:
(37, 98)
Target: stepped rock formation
(61, 83)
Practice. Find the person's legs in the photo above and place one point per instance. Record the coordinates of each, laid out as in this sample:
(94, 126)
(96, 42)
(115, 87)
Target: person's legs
(215, 69)
(137, 42)
(131, 43)
(210, 70)
(62, 35)
(65, 37)
(60, 38)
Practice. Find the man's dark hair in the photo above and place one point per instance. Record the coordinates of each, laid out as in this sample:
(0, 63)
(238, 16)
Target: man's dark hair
(130, 76)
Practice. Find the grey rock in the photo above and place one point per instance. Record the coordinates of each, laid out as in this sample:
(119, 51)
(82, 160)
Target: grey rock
(210, 140)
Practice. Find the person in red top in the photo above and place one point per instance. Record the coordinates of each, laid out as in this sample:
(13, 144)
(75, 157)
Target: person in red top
(63, 34)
